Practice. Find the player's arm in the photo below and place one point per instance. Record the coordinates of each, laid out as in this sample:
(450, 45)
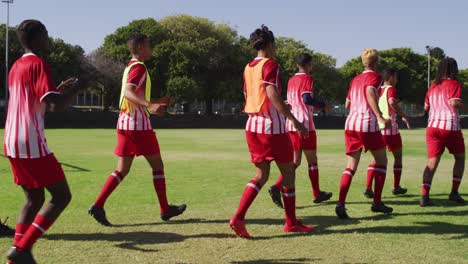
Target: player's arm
(397, 109)
(281, 106)
(371, 93)
(132, 96)
(309, 99)
(59, 100)
(458, 104)
(348, 104)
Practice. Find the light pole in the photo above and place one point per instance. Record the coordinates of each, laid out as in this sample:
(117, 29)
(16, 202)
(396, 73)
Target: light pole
(428, 49)
(7, 2)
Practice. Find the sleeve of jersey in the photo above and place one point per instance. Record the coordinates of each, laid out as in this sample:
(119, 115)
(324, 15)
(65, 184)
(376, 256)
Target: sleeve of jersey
(426, 100)
(43, 84)
(308, 87)
(392, 94)
(348, 96)
(455, 92)
(375, 81)
(270, 73)
(136, 75)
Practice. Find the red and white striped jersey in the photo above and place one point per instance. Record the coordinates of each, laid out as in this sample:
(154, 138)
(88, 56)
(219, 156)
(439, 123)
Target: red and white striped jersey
(361, 118)
(137, 120)
(29, 83)
(269, 120)
(441, 113)
(391, 96)
(298, 85)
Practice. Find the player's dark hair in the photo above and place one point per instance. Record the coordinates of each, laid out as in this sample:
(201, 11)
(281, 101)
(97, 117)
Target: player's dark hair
(389, 73)
(29, 31)
(303, 59)
(448, 68)
(136, 40)
(261, 37)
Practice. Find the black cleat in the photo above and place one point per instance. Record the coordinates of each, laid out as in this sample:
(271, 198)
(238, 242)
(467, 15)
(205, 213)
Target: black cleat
(5, 230)
(340, 211)
(399, 190)
(99, 214)
(174, 210)
(369, 193)
(425, 201)
(381, 208)
(456, 197)
(275, 196)
(324, 196)
(20, 257)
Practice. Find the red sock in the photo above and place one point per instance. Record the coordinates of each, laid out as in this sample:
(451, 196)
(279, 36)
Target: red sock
(289, 198)
(314, 179)
(159, 182)
(345, 183)
(396, 176)
(456, 180)
(379, 176)
(34, 232)
(370, 176)
(279, 182)
(19, 232)
(426, 187)
(111, 183)
(250, 192)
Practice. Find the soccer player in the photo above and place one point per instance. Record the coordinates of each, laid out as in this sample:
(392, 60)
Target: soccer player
(362, 131)
(266, 134)
(388, 104)
(301, 98)
(135, 136)
(443, 101)
(34, 166)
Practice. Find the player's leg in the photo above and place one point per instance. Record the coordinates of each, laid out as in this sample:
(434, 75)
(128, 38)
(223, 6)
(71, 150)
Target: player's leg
(253, 187)
(60, 198)
(397, 171)
(159, 182)
(369, 180)
(352, 162)
(34, 201)
(124, 164)
(429, 172)
(275, 190)
(458, 169)
(288, 170)
(379, 173)
(313, 171)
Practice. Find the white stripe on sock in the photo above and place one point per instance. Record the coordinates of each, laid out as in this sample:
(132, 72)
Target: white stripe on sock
(457, 179)
(251, 185)
(288, 194)
(116, 176)
(156, 177)
(313, 168)
(39, 227)
(348, 172)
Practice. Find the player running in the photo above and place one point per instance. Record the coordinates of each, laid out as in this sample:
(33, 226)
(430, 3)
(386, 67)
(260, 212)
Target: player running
(34, 166)
(266, 134)
(388, 104)
(443, 101)
(135, 136)
(302, 101)
(362, 131)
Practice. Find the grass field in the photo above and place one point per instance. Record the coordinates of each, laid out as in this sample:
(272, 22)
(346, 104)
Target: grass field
(208, 169)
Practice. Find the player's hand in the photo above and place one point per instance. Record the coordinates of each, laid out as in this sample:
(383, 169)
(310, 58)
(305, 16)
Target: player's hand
(164, 100)
(67, 83)
(405, 119)
(301, 129)
(157, 108)
(383, 123)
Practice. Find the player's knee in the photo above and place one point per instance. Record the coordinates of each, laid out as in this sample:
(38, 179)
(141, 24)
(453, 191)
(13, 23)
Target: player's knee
(35, 203)
(124, 171)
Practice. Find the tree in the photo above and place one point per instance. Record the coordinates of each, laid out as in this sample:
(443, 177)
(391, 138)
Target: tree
(463, 78)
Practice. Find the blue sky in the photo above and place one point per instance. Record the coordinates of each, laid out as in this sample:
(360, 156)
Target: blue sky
(341, 28)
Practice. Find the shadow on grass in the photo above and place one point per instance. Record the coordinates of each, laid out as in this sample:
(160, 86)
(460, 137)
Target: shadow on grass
(278, 261)
(134, 240)
(75, 168)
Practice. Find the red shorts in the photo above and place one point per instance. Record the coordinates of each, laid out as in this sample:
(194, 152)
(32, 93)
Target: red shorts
(439, 139)
(265, 147)
(36, 173)
(300, 143)
(356, 140)
(136, 143)
(393, 142)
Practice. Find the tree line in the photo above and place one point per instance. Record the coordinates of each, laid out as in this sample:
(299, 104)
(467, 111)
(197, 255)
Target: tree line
(197, 59)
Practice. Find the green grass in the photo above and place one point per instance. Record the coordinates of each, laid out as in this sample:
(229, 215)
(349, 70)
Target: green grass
(208, 169)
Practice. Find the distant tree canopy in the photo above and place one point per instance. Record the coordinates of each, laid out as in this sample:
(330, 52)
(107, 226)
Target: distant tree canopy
(197, 59)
